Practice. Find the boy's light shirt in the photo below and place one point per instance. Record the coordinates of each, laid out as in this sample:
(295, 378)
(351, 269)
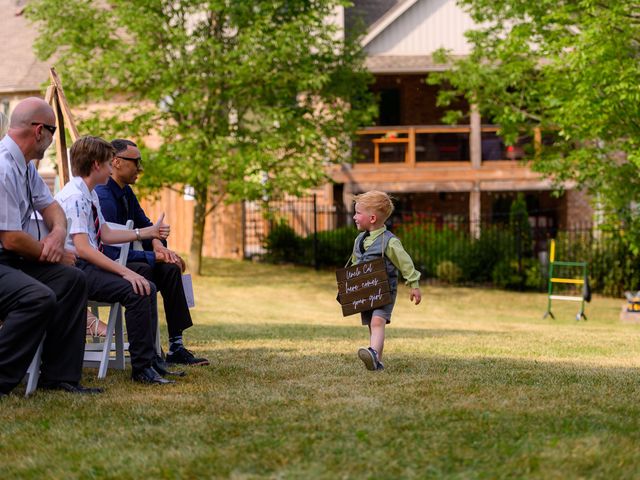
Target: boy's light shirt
(398, 256)
(76, 200)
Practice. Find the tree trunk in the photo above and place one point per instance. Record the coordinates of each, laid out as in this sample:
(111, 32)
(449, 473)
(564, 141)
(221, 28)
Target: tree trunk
(197, 238)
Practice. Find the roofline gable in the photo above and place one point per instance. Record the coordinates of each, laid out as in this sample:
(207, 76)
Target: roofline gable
(387, 19)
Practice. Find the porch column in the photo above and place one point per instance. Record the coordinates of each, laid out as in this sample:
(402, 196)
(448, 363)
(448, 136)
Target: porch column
(475, 152)
(474, 211)
(475, 137)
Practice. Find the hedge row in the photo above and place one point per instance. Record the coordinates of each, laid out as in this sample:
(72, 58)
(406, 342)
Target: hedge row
(503, 255)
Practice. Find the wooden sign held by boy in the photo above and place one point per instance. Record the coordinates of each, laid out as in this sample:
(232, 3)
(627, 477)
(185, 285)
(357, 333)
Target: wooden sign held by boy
(363, 287)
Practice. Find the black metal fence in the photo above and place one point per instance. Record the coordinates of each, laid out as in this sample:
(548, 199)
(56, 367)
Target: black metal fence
(452, 250)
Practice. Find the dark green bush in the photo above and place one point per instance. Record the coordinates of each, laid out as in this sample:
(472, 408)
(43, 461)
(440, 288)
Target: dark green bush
(283, 245)
(452, 254)
(334, 247)
(448, 272)
(526, 274)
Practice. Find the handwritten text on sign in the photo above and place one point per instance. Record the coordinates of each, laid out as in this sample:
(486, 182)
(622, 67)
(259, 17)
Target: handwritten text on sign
(363, 287)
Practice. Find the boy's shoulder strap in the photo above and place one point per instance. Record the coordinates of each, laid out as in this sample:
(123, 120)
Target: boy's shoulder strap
(389, 235)
(356, 242)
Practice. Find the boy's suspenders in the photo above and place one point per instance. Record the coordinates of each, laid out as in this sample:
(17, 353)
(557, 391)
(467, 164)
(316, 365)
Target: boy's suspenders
(384, 247)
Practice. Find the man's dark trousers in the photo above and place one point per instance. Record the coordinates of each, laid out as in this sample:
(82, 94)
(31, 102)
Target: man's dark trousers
(141, 311)
(168, 279)
(36, 298)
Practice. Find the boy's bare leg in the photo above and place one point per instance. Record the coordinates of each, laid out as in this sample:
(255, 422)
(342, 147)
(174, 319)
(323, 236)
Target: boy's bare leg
(376, 333)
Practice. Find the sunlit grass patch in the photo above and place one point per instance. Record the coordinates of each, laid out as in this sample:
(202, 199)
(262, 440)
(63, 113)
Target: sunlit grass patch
(477, 385)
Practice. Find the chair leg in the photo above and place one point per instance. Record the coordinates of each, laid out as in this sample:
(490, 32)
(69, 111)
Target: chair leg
(120, 361)
(158, 343)
(33, 372)
(106, 348)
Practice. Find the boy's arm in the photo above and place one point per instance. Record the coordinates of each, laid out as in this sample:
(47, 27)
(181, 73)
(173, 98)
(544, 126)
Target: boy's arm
(158, 230)
(140, 220)
(89, 254)
(402, 261)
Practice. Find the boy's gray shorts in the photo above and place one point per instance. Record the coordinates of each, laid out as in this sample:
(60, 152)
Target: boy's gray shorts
(384, 311)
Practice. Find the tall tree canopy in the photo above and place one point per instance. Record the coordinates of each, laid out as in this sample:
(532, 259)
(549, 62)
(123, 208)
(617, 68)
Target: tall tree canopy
(567, 66)
(249, 98)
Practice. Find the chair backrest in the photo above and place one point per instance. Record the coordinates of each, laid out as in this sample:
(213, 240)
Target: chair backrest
(36, 219)
(124, 247)
(36, 226)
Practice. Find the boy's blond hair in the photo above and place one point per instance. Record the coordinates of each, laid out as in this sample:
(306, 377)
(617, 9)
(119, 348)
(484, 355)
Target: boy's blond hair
(376, 201)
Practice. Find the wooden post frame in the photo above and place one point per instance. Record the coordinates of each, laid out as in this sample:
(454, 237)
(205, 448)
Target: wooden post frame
(363, 287)
(64, 120)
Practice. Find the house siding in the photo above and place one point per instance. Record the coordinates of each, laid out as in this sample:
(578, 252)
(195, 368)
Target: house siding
(425, 27)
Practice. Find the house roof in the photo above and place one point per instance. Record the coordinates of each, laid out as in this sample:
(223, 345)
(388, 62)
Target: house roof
(402, 35)
(384, 64)
(20, 70)
(387, 19)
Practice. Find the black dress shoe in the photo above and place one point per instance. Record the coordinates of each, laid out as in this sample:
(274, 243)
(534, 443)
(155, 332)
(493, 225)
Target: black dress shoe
(149, 375)
(71, 387)
(160, 366)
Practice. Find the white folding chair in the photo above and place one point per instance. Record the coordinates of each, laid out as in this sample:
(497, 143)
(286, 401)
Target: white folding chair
(36, 227)
(99, 354)
(33, 372)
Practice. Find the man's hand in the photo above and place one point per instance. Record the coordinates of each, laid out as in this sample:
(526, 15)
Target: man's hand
(160, 229)
(53, 247)
(415, 296)
(69, 258)
(164, 255)
(140, 284)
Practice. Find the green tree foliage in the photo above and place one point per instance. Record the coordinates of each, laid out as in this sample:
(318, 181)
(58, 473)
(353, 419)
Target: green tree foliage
(571, 68)
(250, 99)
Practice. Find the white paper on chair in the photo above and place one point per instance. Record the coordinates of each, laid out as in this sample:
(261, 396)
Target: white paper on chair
(187, 285)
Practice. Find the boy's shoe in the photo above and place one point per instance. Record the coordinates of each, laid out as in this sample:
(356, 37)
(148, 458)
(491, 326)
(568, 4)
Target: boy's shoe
(370, 358)
(149, 376)
(185, 357)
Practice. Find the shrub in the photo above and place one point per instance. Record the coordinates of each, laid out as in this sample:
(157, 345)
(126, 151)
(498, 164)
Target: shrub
(282, 244)
(505, 274)
(448, 272)
(334, 247)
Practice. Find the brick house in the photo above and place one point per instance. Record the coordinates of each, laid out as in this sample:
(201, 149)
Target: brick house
(21, 74)
(463, 171)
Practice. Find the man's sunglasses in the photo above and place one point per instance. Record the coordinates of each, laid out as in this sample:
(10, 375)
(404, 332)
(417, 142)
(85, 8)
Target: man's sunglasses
(51, 128)
(136, 160)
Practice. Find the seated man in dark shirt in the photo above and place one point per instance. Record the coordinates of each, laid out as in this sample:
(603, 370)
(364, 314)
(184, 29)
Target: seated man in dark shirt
(156, 263)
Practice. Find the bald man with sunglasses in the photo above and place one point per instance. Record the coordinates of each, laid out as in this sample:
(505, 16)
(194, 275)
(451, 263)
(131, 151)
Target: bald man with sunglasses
(40, 289)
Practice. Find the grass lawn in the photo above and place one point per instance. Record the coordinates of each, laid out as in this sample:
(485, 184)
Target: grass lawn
(477, 385)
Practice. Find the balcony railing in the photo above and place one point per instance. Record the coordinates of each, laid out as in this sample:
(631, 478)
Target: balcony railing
(415, 145)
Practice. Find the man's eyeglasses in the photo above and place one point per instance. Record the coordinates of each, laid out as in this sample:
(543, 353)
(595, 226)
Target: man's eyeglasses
(51, 128)
(136, 160)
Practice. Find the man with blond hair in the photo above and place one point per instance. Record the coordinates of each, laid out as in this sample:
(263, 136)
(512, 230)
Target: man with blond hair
(40, 289)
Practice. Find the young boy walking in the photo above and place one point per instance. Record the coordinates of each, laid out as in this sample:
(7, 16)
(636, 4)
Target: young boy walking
(372, 209)
(107, 280)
